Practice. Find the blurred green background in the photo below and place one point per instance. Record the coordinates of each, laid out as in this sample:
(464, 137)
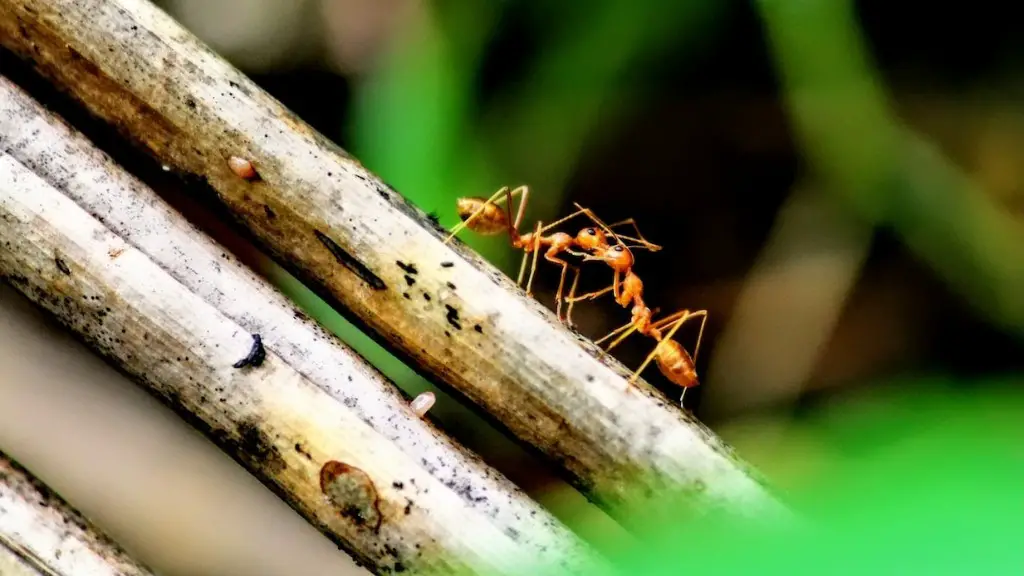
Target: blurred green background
(838, 183)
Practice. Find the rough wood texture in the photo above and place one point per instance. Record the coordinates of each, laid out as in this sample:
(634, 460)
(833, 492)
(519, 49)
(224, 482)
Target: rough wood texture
(46, 535)
(71, 164)
(347, 479)
(360, 244)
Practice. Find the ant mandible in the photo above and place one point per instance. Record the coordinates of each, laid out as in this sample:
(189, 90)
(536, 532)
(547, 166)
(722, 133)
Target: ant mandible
(487, 217)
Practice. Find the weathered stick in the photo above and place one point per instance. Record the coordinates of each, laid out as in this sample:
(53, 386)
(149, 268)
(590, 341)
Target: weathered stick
(43, 532)
(70, 163)
(347, 479)
(360, 244)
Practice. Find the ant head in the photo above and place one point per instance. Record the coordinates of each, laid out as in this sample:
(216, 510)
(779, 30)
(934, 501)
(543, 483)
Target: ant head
(617, 256)
(591, 239)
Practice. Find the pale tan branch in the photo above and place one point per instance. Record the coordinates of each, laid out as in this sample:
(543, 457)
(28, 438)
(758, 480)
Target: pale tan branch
(362, 246)
(68, 162)
(41, 534)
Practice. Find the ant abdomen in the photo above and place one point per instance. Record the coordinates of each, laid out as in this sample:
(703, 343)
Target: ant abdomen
(676, 364)
(491, 220)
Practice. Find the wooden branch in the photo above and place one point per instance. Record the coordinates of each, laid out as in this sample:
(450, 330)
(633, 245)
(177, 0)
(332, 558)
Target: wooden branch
(68, 162)
(359, 244)
(44, 533)
(347, 479)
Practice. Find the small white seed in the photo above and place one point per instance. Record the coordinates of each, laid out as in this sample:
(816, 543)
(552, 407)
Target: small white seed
(422, 403)
(242, 167)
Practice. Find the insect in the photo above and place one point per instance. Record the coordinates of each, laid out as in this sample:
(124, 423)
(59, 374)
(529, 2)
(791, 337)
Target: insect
(673, 360)
(487, 217)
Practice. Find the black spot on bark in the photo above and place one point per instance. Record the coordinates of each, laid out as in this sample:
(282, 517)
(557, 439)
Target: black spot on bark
(447, 264)
(409, 280)
(240, 88)
(453, 317)
(62, 266)
(408, 268)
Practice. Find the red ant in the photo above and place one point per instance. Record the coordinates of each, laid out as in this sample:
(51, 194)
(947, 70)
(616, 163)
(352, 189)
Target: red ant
(673, 360)
(486, 217)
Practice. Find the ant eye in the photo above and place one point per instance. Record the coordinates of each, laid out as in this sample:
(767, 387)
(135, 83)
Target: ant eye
(591, 231)
(618, 248)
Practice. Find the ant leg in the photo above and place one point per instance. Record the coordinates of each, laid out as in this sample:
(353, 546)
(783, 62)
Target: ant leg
(672, 317)
(662, 322)
(644, 242)
(472, 217)
(522, 205)
(563, 220)
(580, 210)
(614, 288)
(590, 214)
(624, 336)
(684, 316)
(550, 256)
(533, 266)
(570, 300)
(513, 227)
(589, 295)
(700, 333)
(629, 329)
(522, 268)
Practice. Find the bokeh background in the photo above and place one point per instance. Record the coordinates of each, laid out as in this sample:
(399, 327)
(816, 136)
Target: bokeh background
(838, 183)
